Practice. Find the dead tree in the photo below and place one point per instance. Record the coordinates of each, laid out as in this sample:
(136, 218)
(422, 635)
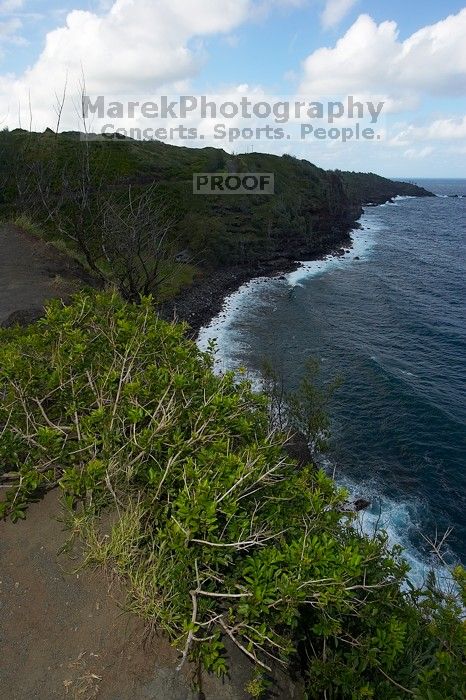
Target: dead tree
(137, 240)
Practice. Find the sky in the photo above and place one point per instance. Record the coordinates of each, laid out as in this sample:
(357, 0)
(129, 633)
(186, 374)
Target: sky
(409, 55)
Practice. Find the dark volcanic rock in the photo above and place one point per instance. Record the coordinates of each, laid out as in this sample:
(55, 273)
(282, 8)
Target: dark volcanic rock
(23, 317)
(361, 504)
(356, 506)
(203, 300)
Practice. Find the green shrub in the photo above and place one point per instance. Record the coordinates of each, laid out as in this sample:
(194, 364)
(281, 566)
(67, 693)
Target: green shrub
(173, 479)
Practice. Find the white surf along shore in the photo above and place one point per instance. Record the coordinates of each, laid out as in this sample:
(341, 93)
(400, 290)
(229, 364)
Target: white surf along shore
(222, 327)
(397, 519)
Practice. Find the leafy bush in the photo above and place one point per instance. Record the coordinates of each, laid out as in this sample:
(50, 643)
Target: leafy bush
(304, 411)
(173, 479)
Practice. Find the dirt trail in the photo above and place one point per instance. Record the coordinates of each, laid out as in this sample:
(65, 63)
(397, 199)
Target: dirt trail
(62, 632)
(32, 271)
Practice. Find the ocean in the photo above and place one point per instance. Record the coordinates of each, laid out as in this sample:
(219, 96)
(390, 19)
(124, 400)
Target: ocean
(389, 317)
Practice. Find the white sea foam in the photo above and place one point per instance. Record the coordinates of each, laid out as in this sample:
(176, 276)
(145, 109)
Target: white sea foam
(364, 241)
(400, 520)
(397, 518)
(221, 327)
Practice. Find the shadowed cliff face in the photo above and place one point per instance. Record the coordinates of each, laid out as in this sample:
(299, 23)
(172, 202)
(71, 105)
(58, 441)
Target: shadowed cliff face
(368, 188)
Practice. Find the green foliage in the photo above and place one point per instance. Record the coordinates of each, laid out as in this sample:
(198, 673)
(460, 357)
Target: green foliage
(304, 411)
(308, 214)
(258, 685)
(173, 479)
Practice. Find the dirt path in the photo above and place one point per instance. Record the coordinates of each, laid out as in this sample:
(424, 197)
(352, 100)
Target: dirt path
(63, 633)
(31, 272)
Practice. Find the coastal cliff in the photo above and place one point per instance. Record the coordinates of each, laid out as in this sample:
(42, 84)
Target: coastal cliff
(216, 242)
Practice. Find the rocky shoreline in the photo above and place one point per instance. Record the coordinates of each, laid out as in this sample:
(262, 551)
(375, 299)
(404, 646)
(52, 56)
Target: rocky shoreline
(198, 304)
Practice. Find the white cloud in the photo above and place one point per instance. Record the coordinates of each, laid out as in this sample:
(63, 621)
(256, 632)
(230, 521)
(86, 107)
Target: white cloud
(136, 46)
(335, 11)
(449, 128)
(140, 48)
(10, 25)
(9, 6)
(419, 153)
(370, 59)
(138, 42)
(452, 129)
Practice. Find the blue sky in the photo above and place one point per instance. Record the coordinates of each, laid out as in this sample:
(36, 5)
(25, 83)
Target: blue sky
(411, 54)
(268, 50)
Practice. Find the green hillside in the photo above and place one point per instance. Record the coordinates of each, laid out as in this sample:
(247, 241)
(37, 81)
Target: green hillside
(311, 212)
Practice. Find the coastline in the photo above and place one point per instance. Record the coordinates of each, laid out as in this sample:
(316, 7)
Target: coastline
(200, 303)
(397, 517)
(357, 244)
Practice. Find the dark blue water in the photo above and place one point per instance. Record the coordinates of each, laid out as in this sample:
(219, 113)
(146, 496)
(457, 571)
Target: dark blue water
(393, 323)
